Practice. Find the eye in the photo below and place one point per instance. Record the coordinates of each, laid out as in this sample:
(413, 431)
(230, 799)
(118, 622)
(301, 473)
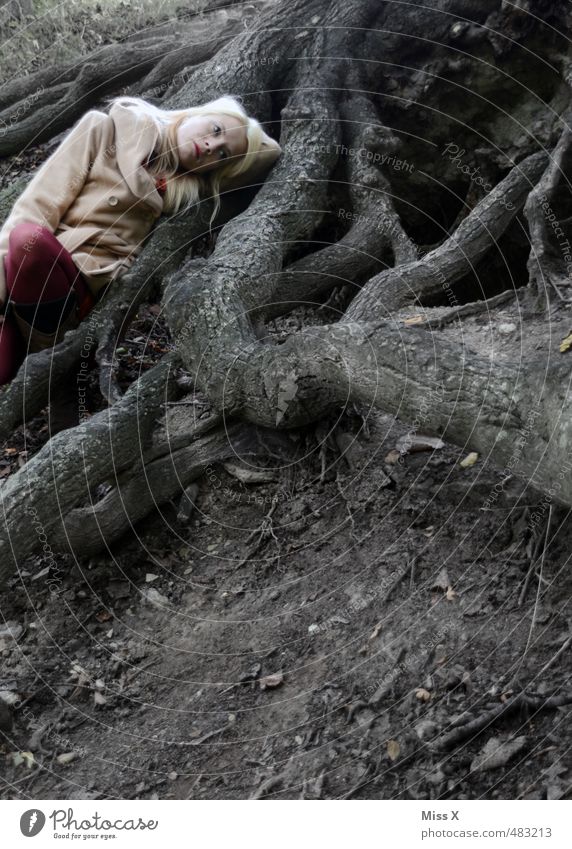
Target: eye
(223, 154)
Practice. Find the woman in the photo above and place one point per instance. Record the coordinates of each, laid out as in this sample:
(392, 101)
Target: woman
(83, 218)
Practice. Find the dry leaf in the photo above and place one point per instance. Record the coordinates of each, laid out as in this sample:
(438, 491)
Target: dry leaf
(415, 319)
(66, 758)
(442, 581)
(375, 632)
(246, 475)
(422, 694)
(271, 681)
(497, 753)
(27, 758)
(392, 457)
(393, 749)
(450, 594)
(566, 344)
(103, 616)
(469, 460)
(413, 442)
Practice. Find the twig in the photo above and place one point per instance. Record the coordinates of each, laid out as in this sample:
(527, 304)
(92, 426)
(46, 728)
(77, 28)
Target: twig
(474, 308)
(536, 601)
(555, 657)
(475, 726)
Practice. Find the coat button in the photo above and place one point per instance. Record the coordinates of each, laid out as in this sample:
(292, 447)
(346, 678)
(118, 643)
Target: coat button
(113, 201)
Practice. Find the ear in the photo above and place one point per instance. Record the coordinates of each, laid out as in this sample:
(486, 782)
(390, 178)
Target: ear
(270, 149)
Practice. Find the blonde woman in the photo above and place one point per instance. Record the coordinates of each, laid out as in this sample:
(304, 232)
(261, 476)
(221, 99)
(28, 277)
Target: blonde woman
(84, 216)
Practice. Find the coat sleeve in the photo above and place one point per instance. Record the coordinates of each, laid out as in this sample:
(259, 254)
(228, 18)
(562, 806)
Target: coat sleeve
(57, 182)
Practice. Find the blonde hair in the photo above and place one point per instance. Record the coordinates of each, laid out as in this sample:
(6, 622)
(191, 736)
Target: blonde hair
(183, 189)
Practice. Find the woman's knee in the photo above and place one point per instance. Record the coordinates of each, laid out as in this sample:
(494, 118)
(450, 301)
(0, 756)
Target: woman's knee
(28, 240)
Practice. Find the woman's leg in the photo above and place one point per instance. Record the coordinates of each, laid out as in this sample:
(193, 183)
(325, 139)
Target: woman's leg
(44, 285)
(39, 269)
(11, 350)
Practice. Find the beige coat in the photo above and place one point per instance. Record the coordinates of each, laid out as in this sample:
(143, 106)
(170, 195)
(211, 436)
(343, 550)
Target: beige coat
(95, 195)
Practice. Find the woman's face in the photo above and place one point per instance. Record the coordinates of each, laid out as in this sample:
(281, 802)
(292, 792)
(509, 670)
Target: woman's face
(205, 142)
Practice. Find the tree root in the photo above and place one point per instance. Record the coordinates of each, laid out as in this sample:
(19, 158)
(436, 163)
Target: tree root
(433, 274)
(543, 268)
(66, 470)
(485, 720)
(94, 80)
(150, 484)
(375, 228)
(209, 33)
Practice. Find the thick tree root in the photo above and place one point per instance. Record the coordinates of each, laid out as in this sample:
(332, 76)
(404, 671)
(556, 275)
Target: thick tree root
(432, 275)
(91, 84)
(375, 224)
(66, 471)
(544, 267)
(139, 491)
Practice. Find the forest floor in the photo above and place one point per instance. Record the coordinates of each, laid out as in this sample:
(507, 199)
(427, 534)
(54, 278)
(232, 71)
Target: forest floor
(331, 631)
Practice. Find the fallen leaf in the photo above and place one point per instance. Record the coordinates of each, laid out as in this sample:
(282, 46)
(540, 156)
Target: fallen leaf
(66, 758)
(393, 457)
(149, 577)
(496, 753)
(413, 442)
(393, 749)
(26, 758)
(442, 581)
(375, 632)
(422, 694)
(271, 681)
(154, 597)
(415, 319)
(103, 616)
(450, 594)
(469, 460)
(566, 344)
(246, 475)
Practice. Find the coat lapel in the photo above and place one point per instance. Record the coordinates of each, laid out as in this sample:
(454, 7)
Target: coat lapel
(135, 138)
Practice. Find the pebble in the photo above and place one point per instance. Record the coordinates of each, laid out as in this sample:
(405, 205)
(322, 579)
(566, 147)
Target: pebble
(506, 329)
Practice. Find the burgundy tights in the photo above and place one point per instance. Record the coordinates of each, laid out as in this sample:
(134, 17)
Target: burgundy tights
(42, 279)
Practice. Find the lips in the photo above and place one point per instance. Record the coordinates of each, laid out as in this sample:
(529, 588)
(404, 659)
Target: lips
(197, 149)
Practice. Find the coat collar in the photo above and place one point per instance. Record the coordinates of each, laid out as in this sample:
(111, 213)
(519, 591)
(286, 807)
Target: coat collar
(135, 138)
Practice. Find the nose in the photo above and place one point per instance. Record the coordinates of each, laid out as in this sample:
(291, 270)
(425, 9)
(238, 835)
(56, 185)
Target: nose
(211, 144)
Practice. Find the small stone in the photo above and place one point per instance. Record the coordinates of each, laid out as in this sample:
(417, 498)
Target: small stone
(507, 329)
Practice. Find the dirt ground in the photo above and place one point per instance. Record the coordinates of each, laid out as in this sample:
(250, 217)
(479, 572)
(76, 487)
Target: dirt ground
(329, 632)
